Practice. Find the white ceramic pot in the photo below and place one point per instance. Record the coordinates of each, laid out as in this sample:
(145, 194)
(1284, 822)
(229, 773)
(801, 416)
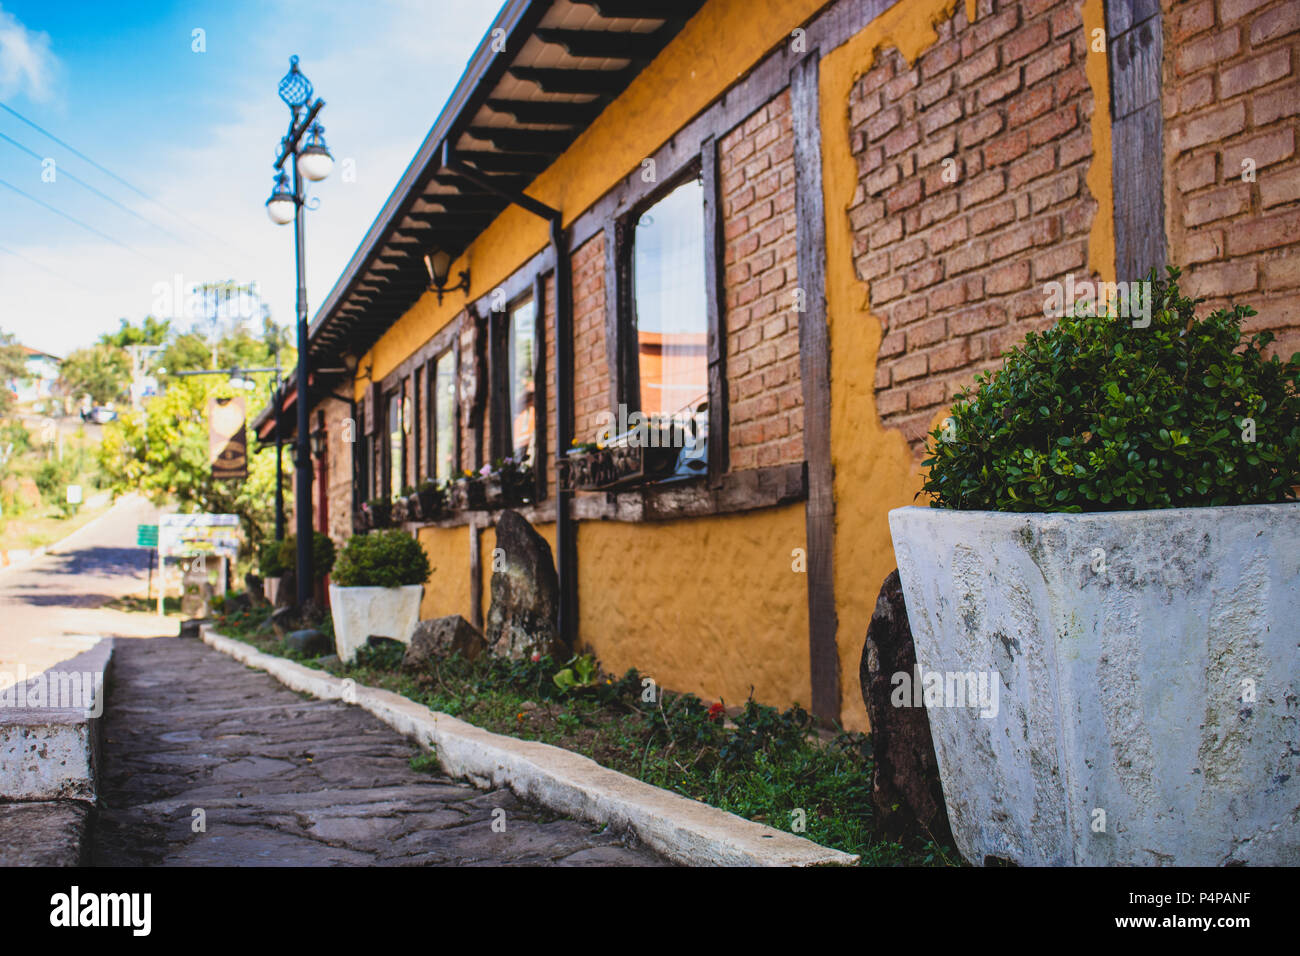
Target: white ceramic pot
(360, 613)
(1136, 678)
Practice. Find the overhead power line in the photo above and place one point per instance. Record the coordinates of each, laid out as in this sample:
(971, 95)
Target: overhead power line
(73, 219)
(108, 172)
(104, 196)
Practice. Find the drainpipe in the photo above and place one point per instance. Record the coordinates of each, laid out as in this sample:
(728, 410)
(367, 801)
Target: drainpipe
(566, 558)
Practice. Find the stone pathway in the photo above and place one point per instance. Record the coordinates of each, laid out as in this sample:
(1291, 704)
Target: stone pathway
(282, 780)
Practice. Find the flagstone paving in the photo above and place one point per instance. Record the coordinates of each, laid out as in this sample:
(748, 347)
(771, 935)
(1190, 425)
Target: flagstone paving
(208, 762)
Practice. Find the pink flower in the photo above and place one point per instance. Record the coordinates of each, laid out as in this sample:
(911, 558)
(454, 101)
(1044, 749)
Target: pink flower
(536, 657)
(485, 470)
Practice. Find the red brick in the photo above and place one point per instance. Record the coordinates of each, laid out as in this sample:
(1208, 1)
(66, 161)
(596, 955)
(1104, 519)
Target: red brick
(1270, 232)
(1053, 61)
(977, 318)
(1208, 127)
(988, 218)
(1255, 72)
(1276, 104)
(1028, 105)
(1025, 41)
(1223, 278)
(1280, 21)
(1010, 277)
(1006, 148)
(1195, 18)
(1265, 150)
(901, 197)
(927, 333)
(1199, 54)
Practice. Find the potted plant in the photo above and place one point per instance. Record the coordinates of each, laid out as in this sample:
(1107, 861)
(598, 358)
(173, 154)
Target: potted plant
(272, 570)
(1109, 568)
(379, 512)
(322, 560)
(376, 588)
(468, 492)
(432, 497)
(506, 483)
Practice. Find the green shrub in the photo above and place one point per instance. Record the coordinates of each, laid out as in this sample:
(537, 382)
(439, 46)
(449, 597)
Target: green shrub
(269, 564)
(1097, 415)
(383, 559)
(275, 558)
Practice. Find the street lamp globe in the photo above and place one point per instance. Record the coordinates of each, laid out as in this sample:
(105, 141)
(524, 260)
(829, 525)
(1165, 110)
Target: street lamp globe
(281, 206)
(315, 161)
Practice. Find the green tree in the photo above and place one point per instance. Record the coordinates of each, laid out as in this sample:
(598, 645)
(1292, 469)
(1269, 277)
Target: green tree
(101, 371)
(163, 452)
(13, 365)
(150, 331)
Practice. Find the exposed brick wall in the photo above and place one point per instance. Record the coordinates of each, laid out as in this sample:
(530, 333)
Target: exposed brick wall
(339, 473)
(1231, 90)
(956, 268)
(590, 363)
(756, 165)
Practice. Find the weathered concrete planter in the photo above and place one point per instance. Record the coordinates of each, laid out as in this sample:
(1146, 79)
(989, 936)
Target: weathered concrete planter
(359, 613)
(1147, 676)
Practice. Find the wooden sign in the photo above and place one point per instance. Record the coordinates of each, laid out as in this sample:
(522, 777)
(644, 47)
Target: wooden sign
(227, 441)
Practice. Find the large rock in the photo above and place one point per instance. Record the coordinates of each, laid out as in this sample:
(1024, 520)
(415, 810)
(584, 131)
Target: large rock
(441, 637)
(907, 791)
(308, 641)
(525, 593)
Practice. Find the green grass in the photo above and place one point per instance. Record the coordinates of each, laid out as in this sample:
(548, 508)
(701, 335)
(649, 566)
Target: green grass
(755, 761)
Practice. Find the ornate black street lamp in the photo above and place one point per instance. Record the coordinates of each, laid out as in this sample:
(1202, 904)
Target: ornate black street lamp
(311, 160)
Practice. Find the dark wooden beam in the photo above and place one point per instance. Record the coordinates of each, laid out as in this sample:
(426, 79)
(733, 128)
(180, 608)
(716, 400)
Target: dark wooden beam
(604, 43)
(550, 143)
(814, 370)
(715, 289)
(644, 9)
(549, 113)
(519, 164)
(603, 82)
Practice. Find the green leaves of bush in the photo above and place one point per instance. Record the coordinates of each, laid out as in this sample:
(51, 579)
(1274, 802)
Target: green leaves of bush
(276, 558)
(382, 559)
(1096, 415)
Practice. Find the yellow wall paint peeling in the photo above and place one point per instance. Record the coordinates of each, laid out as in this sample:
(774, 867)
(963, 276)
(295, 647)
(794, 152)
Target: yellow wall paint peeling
(1100, 182)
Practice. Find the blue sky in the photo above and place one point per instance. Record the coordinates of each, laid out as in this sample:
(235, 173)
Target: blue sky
(196, 132)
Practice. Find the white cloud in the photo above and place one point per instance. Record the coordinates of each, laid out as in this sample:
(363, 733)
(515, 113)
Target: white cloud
(26, 63)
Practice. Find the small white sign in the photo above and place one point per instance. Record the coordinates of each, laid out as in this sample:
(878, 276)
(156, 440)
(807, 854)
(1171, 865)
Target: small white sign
(74, 494)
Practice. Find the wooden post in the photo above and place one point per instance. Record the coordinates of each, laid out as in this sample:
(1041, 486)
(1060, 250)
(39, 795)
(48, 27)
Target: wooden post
(814, 369)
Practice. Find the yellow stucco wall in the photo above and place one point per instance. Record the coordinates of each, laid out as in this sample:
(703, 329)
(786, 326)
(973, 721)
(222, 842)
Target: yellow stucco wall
(708, 605)
(448, 589)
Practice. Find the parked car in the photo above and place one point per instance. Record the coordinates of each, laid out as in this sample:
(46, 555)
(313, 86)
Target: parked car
(99, 415)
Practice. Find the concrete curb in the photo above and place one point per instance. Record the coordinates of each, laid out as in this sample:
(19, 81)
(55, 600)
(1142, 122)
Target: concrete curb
(683, 830)
(52, 752)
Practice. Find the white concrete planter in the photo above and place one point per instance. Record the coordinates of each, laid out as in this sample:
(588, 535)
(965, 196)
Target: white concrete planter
(271, 589)
(359, 613)
(1147, 672)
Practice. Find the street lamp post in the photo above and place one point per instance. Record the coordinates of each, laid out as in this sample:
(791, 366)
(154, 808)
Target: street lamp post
(313, 161)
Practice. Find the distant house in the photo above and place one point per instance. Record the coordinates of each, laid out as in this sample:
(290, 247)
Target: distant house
(41, 378)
